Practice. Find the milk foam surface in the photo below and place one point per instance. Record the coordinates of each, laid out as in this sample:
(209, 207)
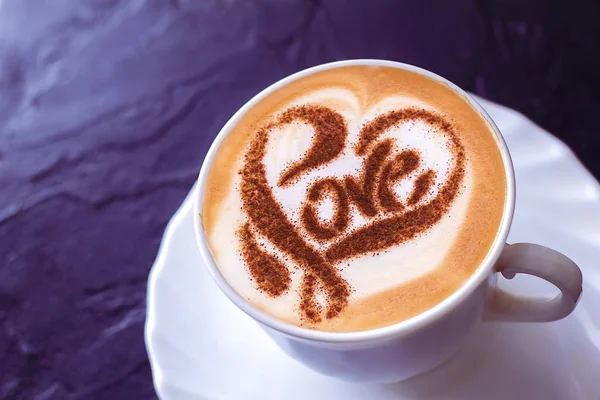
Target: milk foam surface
(369, 275)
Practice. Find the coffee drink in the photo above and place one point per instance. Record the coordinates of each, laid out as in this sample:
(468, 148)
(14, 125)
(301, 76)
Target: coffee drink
(354, 198)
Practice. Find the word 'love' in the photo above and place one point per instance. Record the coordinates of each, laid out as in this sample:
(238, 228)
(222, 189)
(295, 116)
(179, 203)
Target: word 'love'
(390, 221)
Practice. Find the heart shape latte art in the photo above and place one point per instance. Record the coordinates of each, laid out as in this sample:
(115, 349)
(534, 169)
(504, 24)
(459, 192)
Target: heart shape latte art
(390, 221)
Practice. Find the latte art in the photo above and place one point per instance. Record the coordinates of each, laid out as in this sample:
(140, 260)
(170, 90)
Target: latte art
(371, 193)
(347, 204)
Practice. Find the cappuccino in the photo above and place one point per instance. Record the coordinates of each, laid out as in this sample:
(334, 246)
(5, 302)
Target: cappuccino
(354, 198)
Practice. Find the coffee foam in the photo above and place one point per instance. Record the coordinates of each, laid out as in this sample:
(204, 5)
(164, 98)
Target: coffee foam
(381, 286)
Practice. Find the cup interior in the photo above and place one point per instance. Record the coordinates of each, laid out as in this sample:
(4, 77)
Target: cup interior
(401, 328)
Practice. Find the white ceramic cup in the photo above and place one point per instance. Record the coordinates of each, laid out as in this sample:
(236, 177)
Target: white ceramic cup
(413, 346)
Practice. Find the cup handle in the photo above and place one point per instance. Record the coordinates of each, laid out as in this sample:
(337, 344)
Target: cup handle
(545, 263)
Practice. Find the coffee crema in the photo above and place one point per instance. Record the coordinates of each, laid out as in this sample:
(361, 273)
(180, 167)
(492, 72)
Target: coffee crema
(354, 198)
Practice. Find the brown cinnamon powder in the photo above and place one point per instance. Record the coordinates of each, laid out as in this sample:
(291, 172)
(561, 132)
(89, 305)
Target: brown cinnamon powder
(362, 192)
(396, 169)
(379, 125)
(399, 228)
(267, 217)
(308, 303)
(423, 185)
(270, 275)
(320, 230)
(328, 142)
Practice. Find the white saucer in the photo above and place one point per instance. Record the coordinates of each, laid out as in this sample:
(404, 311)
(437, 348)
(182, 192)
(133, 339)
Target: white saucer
(202, 347)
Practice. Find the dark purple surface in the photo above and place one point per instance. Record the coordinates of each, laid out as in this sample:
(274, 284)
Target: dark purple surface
(107, 109)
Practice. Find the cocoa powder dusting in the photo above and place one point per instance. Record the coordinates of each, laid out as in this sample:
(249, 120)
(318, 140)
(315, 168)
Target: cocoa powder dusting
(361, 193)
(396, 169)
(321, 230)
(269, 219)
(308, 305)
(372, 193)
(329, 138)
(402, 227)
(423, 185)
(382, 123)
(270, 275)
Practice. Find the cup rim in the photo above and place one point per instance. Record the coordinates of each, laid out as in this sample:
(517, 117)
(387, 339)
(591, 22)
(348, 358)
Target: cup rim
(401, 328)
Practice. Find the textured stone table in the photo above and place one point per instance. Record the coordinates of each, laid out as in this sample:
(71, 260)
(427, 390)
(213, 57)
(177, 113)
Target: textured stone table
(107, 109)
